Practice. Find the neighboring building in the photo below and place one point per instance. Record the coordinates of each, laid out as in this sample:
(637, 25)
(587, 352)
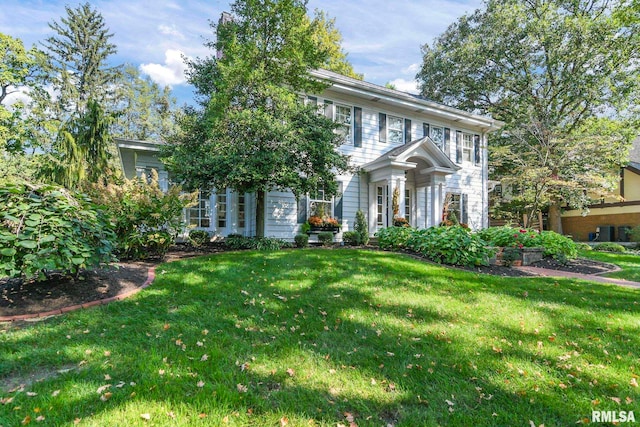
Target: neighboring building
(432, 153)
(610, 220)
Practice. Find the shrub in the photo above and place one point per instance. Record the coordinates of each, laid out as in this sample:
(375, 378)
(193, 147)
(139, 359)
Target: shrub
(609, 247)
(393, 238)
(237, 242)
(47, 228)
(198, 238)
(351, 238)
(554, 244)
(302, 240)
(362, 228)
(634, 234)
(557, 246)
(326, 238)
(583, 246)
(454, 245)
(139, 208)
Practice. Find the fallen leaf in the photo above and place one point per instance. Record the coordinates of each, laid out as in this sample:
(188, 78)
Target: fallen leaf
(200, 384)
(633, 382)
(204, 358)
(202, 415)
(242, 388)
(107, 377)
(166, 326)
(26, 420)
(106, 396)
(615, 399)
(107, 353)
(31, 394)
(292, 373)
(145, 416)
(103, 388)
(284, 421)
(77, 421)
(171, 415)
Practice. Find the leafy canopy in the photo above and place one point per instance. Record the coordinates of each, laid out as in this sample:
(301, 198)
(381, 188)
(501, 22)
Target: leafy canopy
(561, 74)
(252, 133)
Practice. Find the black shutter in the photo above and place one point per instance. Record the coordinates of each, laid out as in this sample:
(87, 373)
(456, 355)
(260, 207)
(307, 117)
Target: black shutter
(302, 209)
(382, 127)
(458, 147)
(476, 149)
(425, 129)
(338, 204)
(357, 127)
(328, 109)
(447, 142)
(407, 131)
(464, 203)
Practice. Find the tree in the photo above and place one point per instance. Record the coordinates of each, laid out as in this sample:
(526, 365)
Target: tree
(253, 134)
(143, 110)
(78, 54)
(553, 71)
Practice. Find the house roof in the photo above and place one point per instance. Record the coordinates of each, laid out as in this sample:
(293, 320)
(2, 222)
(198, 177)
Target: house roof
(138, 145)
(392, 97)
(423, 148)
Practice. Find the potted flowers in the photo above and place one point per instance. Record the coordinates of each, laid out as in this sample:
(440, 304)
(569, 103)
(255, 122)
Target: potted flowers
(323, 224)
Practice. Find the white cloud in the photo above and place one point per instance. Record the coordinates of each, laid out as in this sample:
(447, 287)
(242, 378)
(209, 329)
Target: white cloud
(412, 69)
(403, 85)
(171, 73)
(170, 31)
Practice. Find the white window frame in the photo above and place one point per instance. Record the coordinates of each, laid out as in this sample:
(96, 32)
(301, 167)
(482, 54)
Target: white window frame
(467, 147)
(242, 211)
(221, 210)
(433, 134)
(343, 114)
(395, 135)
(320, 197)
(408, 203)
(200, 215)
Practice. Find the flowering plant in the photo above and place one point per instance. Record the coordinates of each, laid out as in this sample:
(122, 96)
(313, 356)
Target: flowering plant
(316, 221)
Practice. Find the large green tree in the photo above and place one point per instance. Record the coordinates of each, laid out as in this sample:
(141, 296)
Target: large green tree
(143, 110)
(561, 74)
(79, 52)
(252, 133)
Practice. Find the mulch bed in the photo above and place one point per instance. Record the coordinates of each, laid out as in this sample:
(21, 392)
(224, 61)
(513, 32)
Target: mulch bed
(18, 297)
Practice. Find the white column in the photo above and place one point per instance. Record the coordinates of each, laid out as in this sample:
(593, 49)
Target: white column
(401, 182)
(373, 208)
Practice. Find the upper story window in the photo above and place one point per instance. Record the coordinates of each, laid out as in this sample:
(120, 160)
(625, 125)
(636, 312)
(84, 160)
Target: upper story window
(467, 147)
(437, 135)
(343, 115)
(395, 129)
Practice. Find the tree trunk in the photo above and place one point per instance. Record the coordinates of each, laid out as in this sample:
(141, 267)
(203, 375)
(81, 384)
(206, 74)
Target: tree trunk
(555, 220)
(260, 195)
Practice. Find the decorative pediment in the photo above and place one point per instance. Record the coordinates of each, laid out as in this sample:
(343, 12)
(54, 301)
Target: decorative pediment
(406, 156)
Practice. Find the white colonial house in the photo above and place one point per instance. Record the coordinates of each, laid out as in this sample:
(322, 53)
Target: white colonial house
(429, 151)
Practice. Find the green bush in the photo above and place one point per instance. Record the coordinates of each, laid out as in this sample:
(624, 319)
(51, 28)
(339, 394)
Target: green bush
(454, 245)
(557, 246)
(47, 228)
(139, 209)
(326, 238)
(352, 238)
(393, 238)
(238, 242)
(634, 234)
(198, 238)
(583, 246)
(609, 247)
(362, 228)
(302, 240)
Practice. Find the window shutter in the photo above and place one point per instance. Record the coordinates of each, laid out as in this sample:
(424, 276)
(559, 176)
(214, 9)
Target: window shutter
(458, 147)
(302, 209)
(328, 109)
(338, 204)
(407, 131)
(425, 129)
(447, 142)
(476, 149)
(382, 127)
(357, 127)
(464, 203)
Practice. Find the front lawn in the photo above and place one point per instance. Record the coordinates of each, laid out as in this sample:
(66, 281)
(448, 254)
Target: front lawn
(629, 263)
(329, 337)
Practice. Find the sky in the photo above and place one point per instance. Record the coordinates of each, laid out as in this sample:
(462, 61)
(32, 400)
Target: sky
(383, 38)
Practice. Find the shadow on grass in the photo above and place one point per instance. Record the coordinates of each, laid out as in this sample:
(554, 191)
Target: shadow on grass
(382, 337)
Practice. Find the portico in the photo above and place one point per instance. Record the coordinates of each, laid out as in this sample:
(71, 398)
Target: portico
(419, 171)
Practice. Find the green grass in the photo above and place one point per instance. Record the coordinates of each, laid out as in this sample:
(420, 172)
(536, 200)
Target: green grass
(321, 337)
(629, 263)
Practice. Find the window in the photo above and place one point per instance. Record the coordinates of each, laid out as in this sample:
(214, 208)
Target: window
(200, 215)
(221, 209)
(395, 129)
(241, 211)
(407, 205)
(437, 135)
(467, 147)
(455, 208)
(343, 116)
(320, 204)
(379, 205)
